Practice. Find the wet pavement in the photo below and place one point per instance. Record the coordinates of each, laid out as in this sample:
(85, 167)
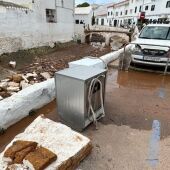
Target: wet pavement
(136, 99)
(133, 101)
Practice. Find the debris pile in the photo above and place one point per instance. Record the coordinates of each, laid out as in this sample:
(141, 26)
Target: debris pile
(17, 82)
(98, 45)
(42, 67)
(117, 42)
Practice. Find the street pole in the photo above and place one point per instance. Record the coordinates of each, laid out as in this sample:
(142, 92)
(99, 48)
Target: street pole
(167, 63)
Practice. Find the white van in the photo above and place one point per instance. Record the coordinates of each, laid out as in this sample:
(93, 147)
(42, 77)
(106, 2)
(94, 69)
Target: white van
(152, 45)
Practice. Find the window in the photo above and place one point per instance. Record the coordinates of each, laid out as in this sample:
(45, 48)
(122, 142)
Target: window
(110, 22)
(150, 21)
(82, 22)
(108, 13)
(152, 7)
(126, 12)
(121, 13)
(77, 21)
(97, 21)
(136, 9)
(146, 8)
(160, 21)
(168, 4)
(129, 21)
(140, 8)
(51, 15)
(155, 32)
(154, 21)
(102, 21)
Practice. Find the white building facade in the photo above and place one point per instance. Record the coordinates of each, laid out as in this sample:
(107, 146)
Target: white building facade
(27, 24)
(101, 14)
(129, 11)
(83, 18)
(101, 19)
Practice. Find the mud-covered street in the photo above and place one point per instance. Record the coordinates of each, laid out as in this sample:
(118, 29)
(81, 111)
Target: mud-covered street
(133, 101)
(50, 59)
(39, 64)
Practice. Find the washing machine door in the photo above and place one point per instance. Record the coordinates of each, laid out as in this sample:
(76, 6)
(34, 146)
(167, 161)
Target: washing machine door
(95, 99)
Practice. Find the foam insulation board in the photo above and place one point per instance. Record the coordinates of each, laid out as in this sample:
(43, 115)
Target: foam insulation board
(69, 146)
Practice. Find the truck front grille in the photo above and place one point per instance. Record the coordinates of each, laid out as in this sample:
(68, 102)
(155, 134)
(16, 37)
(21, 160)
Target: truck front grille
(154, 53)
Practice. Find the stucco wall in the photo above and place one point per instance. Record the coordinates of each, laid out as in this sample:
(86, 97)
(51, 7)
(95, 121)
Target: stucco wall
(22, 30)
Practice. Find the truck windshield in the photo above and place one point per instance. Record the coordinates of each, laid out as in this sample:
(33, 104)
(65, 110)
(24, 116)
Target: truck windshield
(156, 32)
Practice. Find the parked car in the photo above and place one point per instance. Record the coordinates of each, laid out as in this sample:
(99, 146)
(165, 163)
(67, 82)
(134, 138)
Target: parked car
(152, 47)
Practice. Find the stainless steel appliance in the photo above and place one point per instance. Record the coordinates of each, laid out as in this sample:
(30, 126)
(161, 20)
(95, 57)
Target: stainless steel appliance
(80, 95)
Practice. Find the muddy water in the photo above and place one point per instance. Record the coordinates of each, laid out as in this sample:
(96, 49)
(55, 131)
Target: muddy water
(133, 98)
(49, 111)
(137, 98)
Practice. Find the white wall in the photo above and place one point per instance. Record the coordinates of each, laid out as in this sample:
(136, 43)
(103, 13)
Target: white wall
(100, 18)
(110, 16)
(101, 13)
(21, 30)
(87, 21)
(84, 17)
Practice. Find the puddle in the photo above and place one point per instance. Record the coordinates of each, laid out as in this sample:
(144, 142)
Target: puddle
(132, 99)
(136, 99)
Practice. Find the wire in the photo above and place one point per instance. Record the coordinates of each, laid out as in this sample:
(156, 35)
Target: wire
(90, 93)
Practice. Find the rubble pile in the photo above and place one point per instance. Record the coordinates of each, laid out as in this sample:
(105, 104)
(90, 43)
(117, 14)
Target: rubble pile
(98, 45)
(98, 38)
(43, 67)
(17, 82)
(117, 42)
(48, 65)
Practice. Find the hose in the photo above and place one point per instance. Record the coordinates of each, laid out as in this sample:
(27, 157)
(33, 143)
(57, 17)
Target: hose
(90, 92)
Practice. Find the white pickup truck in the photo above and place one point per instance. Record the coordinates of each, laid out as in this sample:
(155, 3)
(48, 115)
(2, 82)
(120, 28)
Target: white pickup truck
(152, 45)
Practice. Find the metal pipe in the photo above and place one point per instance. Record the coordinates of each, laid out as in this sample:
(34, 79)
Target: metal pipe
(115, 55)
(166, 68)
